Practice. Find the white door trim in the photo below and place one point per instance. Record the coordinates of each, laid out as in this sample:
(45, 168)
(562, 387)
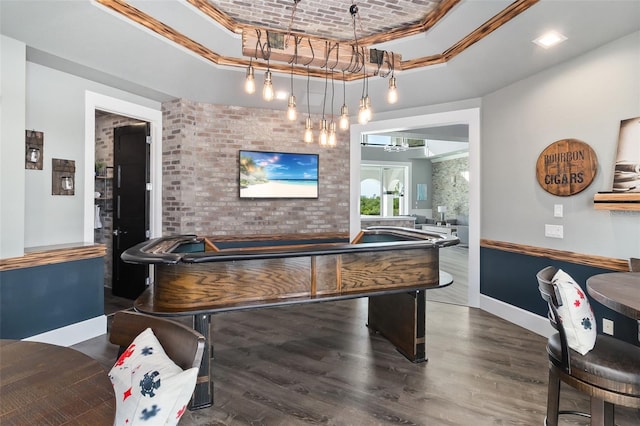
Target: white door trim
(101, 102)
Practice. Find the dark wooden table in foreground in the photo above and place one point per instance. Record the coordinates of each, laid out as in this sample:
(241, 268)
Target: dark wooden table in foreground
(53, 385)
(619, 291)
(201, 276)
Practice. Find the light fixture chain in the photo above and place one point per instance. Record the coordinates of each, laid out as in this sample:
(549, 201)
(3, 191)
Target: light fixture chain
(308, 108)
(292, 78)
(332, 94)
(324, 99)
(293, 12)
(266, 53)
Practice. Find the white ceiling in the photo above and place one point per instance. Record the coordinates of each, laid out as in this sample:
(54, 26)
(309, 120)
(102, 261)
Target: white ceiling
(84, 38)
(439, 141)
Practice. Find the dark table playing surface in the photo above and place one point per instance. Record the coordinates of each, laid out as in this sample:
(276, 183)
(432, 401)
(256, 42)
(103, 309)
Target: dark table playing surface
(619, 291)
(53, 385)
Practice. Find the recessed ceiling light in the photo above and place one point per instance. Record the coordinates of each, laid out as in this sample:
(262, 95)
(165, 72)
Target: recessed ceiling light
(550, 39)
(281, 95)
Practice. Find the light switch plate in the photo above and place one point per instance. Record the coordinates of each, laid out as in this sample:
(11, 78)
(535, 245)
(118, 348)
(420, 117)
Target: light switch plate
(553, 231)
(557, 210)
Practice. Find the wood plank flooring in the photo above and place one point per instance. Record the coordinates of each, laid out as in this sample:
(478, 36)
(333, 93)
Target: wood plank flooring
(454, 260)
(113, 304)
(318, 364)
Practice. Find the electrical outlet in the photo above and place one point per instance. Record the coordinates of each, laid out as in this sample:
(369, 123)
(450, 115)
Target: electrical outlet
(607, 326)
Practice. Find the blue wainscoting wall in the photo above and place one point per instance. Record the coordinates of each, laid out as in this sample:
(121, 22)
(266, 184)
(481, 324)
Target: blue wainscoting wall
(511, 278)
(37, 299)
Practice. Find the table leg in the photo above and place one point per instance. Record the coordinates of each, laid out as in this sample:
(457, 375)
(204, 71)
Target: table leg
(203, 393)
(401, 318)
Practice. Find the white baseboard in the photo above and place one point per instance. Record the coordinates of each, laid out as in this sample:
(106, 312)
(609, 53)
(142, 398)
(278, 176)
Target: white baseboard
(532, 322)
(74, 333)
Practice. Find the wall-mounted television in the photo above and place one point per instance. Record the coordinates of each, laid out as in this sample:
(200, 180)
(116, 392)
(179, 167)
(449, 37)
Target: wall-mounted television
(278, 175)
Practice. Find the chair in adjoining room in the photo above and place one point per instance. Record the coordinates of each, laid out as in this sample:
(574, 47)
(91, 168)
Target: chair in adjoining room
(609, 373)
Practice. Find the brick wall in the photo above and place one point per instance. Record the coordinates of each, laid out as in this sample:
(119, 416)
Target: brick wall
(200, 173)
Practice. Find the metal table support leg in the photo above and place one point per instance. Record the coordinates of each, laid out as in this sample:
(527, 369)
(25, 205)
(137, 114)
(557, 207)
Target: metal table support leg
(203, 393)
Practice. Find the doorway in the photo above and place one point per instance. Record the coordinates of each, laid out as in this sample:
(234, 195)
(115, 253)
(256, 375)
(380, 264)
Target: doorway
(130, 206)
(121, 161)
(469, 117)
(96, 103)
(437, 189)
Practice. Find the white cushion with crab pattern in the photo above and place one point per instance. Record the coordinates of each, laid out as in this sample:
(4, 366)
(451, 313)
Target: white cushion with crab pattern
(150, 389)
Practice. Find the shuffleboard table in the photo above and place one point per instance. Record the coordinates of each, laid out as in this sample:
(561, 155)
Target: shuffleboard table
(201, 276)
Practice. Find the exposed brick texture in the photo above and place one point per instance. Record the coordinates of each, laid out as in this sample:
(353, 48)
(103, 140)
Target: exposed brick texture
(200, 173)
(450, 188)
(328, 18)
(405, 223)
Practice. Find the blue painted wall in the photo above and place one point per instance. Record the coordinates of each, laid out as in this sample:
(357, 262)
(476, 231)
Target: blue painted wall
(511, 278)
(42, 298)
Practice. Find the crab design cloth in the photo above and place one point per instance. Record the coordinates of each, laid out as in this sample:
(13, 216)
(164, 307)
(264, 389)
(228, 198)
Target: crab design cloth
(576, 314)
(150, 389)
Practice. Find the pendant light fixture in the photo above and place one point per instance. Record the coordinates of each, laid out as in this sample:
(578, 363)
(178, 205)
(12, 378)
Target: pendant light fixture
(367, 103)
(362, 115)
(392, 94)
(324, 131)
(344, 111)
(332, 125)
(292, 114)
(364, 111)
(267, 88)
(308, 124)
(291, 109)
(250, 79)
(308, 130)
(299, 51)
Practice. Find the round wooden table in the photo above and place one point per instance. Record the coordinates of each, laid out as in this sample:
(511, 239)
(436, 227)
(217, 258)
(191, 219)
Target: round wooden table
(619, 291)
(53, 385)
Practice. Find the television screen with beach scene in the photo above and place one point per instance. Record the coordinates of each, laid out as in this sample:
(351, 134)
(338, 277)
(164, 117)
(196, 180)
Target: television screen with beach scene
(278, 175)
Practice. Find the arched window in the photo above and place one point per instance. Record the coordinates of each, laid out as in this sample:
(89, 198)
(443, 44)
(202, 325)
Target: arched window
(382, 190)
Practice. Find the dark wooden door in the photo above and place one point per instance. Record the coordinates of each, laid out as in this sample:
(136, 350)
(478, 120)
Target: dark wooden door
(130, 206)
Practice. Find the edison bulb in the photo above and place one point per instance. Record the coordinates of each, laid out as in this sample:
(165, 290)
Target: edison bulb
(392, 94)
(250, 81)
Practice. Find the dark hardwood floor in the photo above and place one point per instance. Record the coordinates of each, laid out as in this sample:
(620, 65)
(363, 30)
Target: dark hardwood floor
(113, 304)
(318, 364)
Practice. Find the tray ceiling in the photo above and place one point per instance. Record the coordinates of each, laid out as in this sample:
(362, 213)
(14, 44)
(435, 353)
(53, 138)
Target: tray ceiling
(328, 18)
(451, 50)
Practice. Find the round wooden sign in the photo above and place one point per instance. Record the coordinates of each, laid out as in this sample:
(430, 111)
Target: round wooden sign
(566, 167)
